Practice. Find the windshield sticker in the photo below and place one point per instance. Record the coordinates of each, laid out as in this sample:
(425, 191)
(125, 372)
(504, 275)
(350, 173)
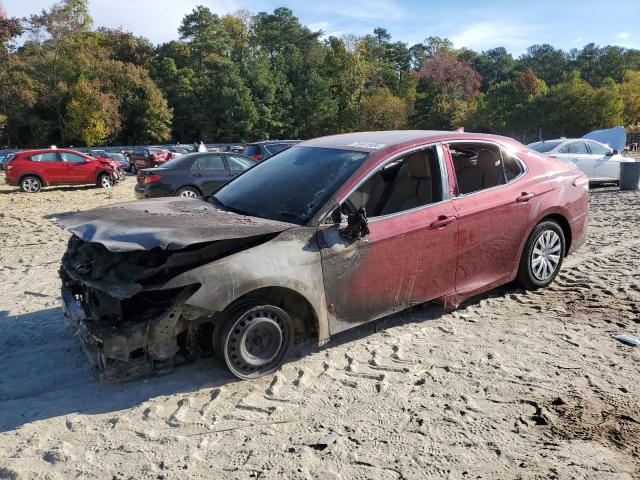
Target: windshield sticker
(370, 146)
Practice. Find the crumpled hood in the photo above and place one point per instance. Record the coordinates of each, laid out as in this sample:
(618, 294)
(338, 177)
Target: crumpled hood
(169, 223)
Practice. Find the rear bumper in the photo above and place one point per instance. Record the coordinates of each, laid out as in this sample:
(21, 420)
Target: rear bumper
(152, 191)
(578, 232)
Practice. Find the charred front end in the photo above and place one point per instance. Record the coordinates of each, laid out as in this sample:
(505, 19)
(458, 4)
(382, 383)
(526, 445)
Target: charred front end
(128, 321)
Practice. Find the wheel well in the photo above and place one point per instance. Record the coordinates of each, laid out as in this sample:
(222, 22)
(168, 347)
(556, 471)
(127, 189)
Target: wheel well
(31, 175)
(566, 228)
(305, 320)
(100, 173)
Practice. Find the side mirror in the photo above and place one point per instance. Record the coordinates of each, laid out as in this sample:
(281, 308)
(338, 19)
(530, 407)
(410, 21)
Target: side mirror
(614, 152)
(357, 226)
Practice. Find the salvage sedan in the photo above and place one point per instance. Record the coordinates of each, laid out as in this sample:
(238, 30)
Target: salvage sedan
(321, 237)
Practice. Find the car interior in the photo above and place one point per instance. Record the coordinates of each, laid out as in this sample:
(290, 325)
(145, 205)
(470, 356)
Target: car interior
(408, 182)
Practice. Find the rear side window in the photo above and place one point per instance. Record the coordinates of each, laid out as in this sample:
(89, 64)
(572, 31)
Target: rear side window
(209, 162)
(45, 157)
(478, 166)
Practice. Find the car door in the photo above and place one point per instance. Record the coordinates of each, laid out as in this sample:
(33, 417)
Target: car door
(78, 169)
(579, 155)
(210, 172)
(606, 166)
(494, 205)
(409, 255)
(49, 166)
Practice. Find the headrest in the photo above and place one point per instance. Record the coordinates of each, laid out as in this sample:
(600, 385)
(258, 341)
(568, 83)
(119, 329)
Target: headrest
(488, 160)
(418, 165)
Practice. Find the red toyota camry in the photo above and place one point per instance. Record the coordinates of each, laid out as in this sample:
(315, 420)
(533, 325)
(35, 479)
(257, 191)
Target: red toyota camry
(323, 236)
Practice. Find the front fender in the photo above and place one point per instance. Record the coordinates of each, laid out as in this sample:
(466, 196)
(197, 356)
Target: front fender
(291, 260)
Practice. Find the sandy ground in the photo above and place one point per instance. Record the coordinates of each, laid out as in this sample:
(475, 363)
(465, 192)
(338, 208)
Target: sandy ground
(512, 385)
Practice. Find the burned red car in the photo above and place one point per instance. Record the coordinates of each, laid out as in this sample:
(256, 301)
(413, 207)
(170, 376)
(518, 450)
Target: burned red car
(148, 157)
(319, 238)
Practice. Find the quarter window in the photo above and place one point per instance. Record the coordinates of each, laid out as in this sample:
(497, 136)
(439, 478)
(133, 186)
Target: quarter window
(45, 157)
(409, 182)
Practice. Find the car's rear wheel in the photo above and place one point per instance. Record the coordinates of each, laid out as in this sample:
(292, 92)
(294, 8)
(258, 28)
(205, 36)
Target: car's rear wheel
(31, 184)
(255, 339)
(105, 181)
(542, 256)
(189, 192)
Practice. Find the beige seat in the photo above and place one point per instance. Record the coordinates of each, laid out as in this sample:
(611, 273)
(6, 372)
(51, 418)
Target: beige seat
(490, 166)
(368, 194)
(412, 185)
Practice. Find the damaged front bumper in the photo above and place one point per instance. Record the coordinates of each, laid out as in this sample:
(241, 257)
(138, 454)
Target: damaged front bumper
(130, 348)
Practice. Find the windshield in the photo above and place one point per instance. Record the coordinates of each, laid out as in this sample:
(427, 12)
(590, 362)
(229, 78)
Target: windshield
(543, 147)
(292, 185)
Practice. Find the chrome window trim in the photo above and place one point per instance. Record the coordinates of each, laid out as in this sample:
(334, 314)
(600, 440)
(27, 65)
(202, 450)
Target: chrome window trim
(443, 179)
(523, 164)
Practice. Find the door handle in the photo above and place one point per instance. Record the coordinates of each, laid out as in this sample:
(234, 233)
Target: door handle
(442, 221)
(525, 197)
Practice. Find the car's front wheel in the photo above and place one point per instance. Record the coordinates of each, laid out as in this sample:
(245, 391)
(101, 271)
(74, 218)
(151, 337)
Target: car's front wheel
(542, 255)
(255, 339)
(105, 181)
(188, 192)
(31, 184)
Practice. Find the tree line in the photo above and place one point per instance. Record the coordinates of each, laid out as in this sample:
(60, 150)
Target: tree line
(246, 77)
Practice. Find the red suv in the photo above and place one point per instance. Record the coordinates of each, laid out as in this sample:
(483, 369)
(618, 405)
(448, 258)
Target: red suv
(33, 169)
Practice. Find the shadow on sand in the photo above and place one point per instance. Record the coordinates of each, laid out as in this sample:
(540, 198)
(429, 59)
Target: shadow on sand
(45, 374)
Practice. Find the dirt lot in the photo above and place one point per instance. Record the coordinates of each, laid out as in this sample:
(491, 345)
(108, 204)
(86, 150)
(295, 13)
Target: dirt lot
(512, 385)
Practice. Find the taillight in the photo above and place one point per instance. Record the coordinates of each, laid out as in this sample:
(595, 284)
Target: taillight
(146, 180)
(256, 156)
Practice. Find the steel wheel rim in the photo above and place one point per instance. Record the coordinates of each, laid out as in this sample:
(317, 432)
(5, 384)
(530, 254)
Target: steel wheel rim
(255, 341)
(546, 254)
(189, 194)
(106, 182)
(30, 185)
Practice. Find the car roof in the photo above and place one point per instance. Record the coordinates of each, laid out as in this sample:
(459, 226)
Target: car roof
(267, 142)
(373, 141)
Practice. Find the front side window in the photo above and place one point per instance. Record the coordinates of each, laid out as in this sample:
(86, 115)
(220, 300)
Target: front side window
(405, 183)
(578, 148)
(209, 162)
(598, 149)
(291, 186)
(478, 166)
(45, 157)
(71, 157)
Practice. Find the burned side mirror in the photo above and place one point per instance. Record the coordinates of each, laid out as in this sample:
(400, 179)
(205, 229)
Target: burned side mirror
(357, 226)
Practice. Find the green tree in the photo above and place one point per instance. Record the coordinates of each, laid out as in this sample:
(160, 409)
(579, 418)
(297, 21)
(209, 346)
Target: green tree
(630, 92)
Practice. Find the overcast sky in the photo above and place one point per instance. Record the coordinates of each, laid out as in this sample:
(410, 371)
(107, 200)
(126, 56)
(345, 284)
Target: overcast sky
(512, 24)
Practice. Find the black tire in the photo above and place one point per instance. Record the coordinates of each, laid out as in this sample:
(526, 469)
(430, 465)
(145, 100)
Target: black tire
(189, 192)
(30, 184)
(255, 339)
(105, 181)
(529, 277)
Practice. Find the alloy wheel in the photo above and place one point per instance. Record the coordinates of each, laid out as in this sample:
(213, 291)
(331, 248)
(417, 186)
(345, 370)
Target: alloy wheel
(30, 185)
(545, 256)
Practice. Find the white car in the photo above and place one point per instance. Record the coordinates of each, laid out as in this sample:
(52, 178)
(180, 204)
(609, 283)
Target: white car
(597, 161)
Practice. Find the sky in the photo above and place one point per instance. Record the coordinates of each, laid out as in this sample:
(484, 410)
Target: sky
(468, 23)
